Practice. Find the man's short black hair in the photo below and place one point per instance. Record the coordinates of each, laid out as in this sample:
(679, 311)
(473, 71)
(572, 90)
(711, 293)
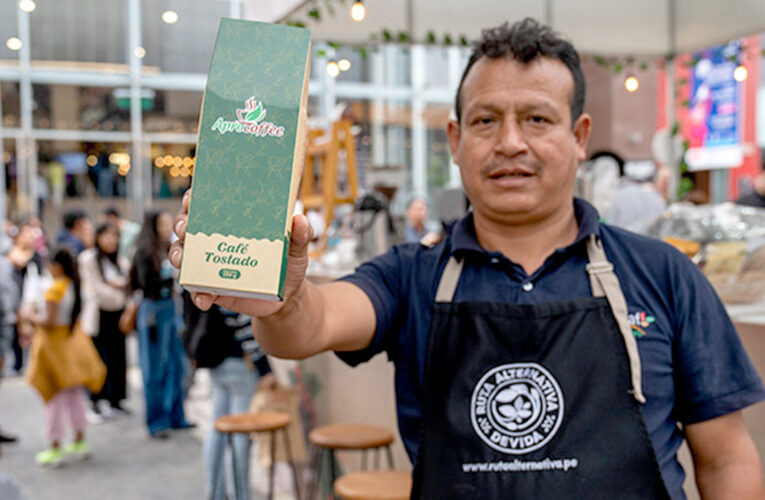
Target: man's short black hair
(71, 218)
(112, 211)
(610, 154)
(527, 41)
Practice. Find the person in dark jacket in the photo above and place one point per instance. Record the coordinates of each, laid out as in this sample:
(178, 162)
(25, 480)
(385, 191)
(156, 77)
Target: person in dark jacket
(77, 233)
(757, 197)
(160, 348)
(222, 341)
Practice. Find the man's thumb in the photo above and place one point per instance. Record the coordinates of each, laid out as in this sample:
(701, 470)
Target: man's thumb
(301, 234)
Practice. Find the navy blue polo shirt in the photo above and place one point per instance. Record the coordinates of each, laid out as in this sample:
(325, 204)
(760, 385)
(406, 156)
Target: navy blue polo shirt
(694, 366)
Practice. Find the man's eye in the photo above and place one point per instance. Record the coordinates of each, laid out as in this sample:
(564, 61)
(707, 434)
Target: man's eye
(539, 119)
(483, 120)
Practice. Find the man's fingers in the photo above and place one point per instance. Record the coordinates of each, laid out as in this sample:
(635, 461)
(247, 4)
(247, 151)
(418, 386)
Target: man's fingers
(175, 254)
(203, 301)
(179, 225)
(186, 200)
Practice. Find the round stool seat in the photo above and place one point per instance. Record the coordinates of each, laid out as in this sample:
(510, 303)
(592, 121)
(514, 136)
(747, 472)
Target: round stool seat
(375, 485)
(263, 421)
(350, 436)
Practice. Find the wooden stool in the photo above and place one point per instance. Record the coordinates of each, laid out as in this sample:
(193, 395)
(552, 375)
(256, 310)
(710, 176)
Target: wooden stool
(375, 485)
(360, 437)
(247, 423)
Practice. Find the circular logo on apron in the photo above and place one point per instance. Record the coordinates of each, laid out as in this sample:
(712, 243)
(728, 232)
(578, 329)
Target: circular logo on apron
(516, 408)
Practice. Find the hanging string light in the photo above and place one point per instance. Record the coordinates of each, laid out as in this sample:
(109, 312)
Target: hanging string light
(13, 43)
(740, 73)
(358, 11)
(170, 17)
(631, 83)
(27, 5)
(344, 64)
(333, 69)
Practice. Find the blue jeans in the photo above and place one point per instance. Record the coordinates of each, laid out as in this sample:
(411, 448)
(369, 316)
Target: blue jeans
(162, 365)
(233, 385)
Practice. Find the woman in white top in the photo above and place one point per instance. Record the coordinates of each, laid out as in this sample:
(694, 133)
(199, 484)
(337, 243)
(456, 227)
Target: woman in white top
(104, 281)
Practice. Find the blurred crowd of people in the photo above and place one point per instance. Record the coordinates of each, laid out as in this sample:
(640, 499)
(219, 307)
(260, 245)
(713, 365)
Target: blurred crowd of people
(67, 305)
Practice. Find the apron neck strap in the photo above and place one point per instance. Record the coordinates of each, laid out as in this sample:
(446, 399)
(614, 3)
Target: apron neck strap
(449, 279)
(604, 282)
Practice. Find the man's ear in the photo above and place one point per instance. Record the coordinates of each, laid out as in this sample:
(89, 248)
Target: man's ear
(581, 131)
(453, 135)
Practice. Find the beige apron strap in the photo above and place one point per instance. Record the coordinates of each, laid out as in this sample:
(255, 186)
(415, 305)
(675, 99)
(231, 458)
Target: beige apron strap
(604, 282)
(449, 280)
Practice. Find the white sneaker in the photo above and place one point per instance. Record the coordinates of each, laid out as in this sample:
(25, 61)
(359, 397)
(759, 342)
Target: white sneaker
(119, 412)
(93, 417)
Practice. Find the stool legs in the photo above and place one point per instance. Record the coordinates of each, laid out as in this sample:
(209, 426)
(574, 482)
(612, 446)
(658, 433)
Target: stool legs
(334, 473)
(291, 462)
(390, 457)
(315, 464)
(317, 460)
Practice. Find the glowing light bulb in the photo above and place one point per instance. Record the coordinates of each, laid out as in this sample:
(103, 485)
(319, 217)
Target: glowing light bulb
(740, 73)
(27, 5)
(344, 64)
(13, 43)
(170, 17)
(333, 69)
(358, 11)
(631, 84)
(139, 52)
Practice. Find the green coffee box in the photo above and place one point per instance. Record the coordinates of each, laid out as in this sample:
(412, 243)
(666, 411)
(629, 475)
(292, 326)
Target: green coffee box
(249, 153)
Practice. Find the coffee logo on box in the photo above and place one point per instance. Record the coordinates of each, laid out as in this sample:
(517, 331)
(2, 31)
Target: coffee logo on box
(517, 408)
(249, 121)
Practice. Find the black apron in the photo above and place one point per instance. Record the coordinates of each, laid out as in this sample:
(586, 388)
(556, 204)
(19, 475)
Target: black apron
(535, 401)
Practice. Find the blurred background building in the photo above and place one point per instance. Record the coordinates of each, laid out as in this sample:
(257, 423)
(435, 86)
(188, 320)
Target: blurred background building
(100, 99)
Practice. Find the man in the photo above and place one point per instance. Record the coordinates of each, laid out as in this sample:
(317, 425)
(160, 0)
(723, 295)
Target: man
(415, 230)
(416, 216)
(128, 231)
(78, 233)
(20, 277)
(512, 380)
(635, 205)
(757, 197)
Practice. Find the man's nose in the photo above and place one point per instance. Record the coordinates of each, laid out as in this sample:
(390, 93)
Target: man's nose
(511, 140)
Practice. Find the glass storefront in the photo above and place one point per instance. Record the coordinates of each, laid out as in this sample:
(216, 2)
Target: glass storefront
(68, 104)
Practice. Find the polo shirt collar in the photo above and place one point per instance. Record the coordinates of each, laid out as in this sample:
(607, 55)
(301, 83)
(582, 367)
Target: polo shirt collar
(464, 238)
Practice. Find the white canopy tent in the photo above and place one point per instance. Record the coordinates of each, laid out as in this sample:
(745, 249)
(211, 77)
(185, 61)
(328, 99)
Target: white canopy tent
(634, 27)
(640, 28)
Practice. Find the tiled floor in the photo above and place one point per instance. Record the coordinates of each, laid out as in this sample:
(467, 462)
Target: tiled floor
(126, 464)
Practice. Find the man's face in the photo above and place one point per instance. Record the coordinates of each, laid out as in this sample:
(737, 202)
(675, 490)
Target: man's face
(113, 220)
(83, 229)
(417, 212)
(516, 148)
(26, 237)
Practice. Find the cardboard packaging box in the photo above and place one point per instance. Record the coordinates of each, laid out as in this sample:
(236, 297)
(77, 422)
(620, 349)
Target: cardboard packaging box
(249, 154)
